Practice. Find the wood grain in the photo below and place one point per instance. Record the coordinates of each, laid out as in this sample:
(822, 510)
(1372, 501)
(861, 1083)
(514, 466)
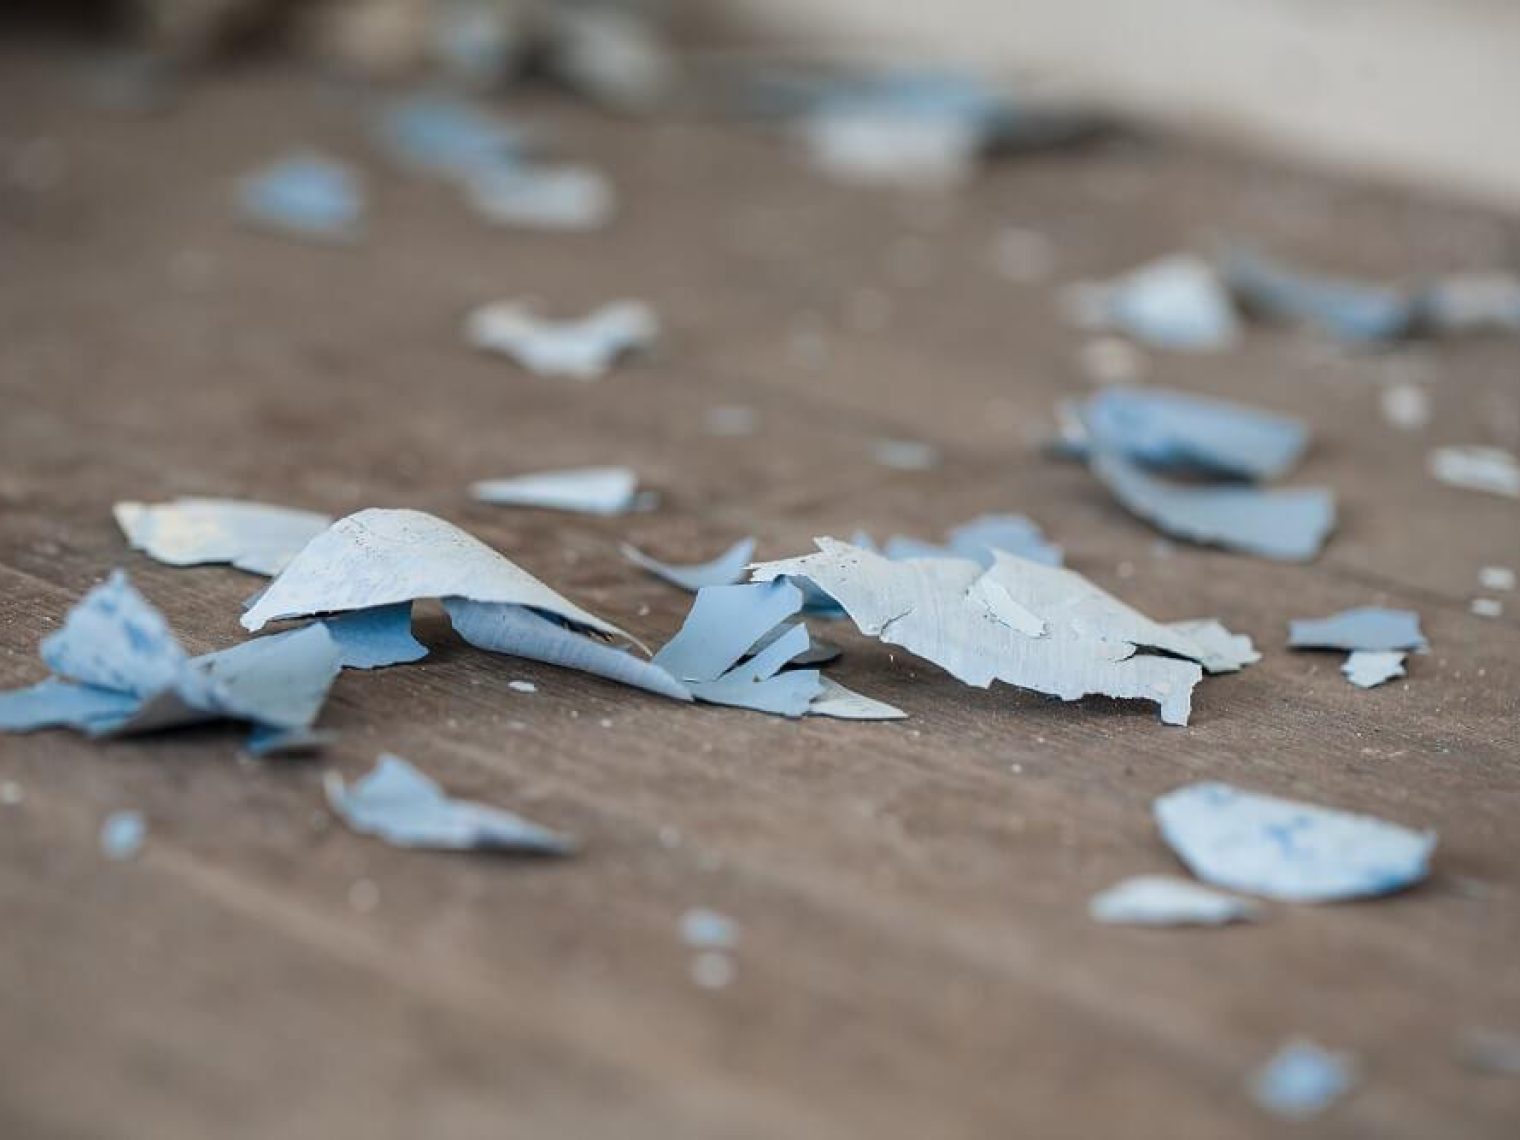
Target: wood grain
(916, 958)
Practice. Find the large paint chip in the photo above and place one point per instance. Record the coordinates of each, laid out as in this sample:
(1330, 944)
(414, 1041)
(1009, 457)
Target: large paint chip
(255, 537)
(1090, 645)
(1351, 311)
(397, 803)
(562, 198)
(1282, 849)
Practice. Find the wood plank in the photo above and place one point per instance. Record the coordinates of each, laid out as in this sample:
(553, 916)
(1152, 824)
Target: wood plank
(916, 957)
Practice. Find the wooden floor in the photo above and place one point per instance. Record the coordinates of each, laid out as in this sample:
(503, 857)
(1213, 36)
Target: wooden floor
(916, 958)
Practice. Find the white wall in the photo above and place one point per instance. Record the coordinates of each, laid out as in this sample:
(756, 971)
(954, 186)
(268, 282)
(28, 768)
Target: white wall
(1421, 90)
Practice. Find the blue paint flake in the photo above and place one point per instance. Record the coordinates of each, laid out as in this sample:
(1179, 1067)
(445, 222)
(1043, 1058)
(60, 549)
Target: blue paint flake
(1282, 849)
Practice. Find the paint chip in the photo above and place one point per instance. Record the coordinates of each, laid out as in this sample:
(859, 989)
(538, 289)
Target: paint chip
(724, 570)
(1475, 468)
(1165, 900)
(1173, 303)
(927, 606)
(397, 803)
(581, 490)
(305, 196)
(122, 835)
(1302, 1080)
(1286, 850)
(1368, 668)
(578, 349)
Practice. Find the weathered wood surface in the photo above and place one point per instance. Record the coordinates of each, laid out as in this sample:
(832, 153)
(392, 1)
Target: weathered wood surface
(916, 957)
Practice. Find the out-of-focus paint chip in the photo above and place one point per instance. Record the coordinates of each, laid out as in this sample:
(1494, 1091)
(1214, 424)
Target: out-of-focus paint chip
(1475, 468)
(1164, 900)
(123, 834)
(1302, 1080)
(542, 197)
(582, 349)
(397, 803)
(1286, 850)
(1287, 525)
(581, 490)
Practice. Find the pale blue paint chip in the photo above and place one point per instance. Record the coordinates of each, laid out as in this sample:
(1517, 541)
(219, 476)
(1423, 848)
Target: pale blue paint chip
(397, 803)
(1302, 1080)
(122, 835)
(377, 637)
(1172, 430)
(1352, 311)
(1287, 525)
(1286, 850)
(304, 195)
(1364, 627)
(726, 569)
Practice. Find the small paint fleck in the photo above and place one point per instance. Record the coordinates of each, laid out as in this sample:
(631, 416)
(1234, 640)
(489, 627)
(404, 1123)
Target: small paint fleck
(704, 929)
(11, 793)
(1487, 607)
(122, 834)
(522, 686)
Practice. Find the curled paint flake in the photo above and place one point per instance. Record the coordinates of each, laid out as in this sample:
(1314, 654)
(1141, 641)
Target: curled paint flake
(1352, 311)
(724, 570)
(1302, 1080)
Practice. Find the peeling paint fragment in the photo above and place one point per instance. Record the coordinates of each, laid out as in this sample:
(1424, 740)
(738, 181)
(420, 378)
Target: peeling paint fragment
(397, 803)
(1286, 850)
